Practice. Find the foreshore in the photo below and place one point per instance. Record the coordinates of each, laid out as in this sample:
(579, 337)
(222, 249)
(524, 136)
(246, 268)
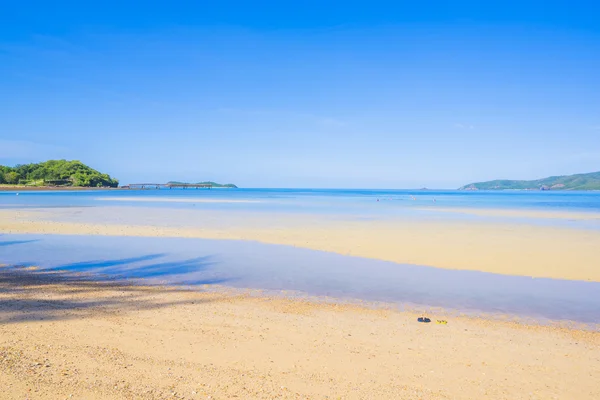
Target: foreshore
(503, 248)
(62, 336)
(530, 214)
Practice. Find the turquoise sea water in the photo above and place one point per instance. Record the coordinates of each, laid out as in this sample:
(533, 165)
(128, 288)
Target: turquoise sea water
(318, 200)
(273, 267)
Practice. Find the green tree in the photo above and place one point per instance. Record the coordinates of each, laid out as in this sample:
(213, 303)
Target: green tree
(12, 178)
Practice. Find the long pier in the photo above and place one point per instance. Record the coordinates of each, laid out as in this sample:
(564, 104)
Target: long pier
(168, 186)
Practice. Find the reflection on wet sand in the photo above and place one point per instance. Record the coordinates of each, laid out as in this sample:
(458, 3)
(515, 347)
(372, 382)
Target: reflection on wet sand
(244, 264)
(499, 247)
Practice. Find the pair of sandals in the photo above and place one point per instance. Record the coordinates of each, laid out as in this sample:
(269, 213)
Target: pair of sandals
(427, 320)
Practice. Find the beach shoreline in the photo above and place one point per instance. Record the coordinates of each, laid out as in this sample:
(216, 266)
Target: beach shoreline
(67, 335)
(64, 335)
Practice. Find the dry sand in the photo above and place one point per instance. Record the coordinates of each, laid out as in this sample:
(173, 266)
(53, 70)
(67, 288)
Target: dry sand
(504, 248)
(64, 337)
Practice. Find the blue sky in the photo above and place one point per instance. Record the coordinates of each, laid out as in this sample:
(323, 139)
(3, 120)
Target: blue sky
(307, 94)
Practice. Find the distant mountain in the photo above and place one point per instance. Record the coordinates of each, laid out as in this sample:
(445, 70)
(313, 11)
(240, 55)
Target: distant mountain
(589, 181)
(213, 184)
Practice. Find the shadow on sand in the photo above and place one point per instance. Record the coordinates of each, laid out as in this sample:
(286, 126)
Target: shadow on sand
(13, 242)
(178, 272)
(82, 289)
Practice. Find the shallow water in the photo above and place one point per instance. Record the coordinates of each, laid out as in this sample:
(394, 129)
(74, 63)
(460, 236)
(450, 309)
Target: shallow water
(332, 203)
(323, 200)
(243, 264)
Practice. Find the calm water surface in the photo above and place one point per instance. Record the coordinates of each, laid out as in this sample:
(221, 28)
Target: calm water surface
(315, 200)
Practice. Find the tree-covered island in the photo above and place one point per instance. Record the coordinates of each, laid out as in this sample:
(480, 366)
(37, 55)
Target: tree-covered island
(590, 181)
(55, 173)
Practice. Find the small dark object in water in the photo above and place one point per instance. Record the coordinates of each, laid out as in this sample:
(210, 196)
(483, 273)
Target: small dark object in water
(423, 319)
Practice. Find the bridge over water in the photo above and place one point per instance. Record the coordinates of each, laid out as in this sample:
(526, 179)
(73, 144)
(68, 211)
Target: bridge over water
(168, 186)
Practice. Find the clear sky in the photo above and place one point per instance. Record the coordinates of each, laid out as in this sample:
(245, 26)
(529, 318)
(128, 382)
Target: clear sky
(398, 94)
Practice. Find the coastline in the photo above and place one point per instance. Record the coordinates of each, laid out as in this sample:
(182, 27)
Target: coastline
(12, 188)
(17, 188)
(63, 335)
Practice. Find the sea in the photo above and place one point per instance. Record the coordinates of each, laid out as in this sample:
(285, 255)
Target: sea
(317, 200)
(201, 264)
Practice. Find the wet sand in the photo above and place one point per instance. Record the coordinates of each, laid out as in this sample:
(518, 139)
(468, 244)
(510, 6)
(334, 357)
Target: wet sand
(276, 269)
(499, 212)
(506, 248)
(63, 336)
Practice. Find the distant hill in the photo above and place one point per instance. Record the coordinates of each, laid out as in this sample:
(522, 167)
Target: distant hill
(589, 181)
(214, 184)
(55, 173)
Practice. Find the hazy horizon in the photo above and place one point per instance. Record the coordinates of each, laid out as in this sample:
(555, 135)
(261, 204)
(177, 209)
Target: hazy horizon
(304, 96)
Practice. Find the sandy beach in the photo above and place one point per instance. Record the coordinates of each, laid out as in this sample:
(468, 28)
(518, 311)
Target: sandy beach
(541, 214)
(511, 248)
(62, 336)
